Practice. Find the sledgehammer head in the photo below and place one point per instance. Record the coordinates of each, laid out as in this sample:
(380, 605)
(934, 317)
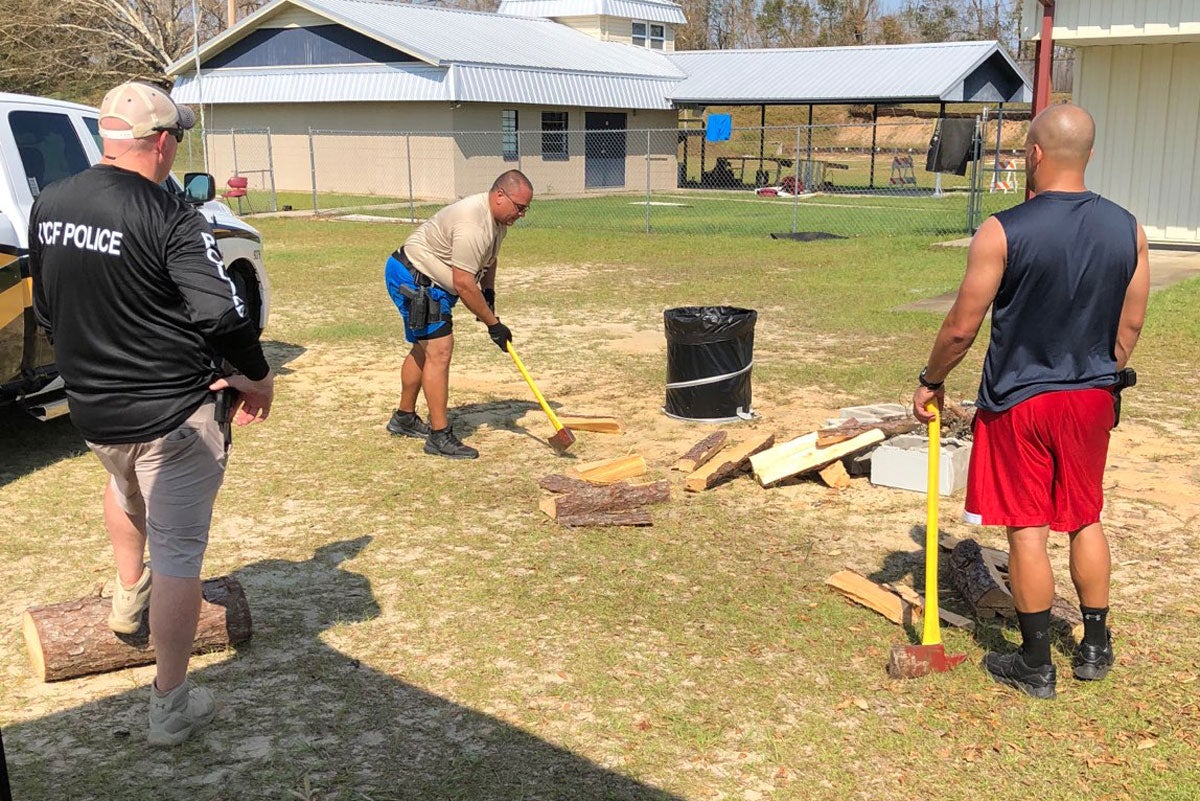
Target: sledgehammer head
(914, 661)
(562, 439)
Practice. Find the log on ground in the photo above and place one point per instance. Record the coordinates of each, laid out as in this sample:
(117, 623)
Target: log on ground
(625, 517)
(556, 482)
(732, 461)
(851, 428)
(699, 454)
(608, 498)
(72, 639)
(771, 467)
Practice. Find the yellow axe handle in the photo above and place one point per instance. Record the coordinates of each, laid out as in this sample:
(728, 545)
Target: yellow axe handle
(529, 380)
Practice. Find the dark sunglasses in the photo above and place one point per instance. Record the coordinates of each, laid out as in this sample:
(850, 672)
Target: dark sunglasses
(521, 208)
(178, 133)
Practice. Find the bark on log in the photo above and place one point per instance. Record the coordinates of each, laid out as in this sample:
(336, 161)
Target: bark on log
(850, 429)
(627, 517)
(731, 462)
(72, 639)
(701, 452)
(556, 482)
(608, 498)
(979, 581)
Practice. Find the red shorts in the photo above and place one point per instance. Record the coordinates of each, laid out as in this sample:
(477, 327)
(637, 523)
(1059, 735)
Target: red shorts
(1041, 462)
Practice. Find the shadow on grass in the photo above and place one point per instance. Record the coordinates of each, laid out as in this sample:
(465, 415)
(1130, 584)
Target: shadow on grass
(279, 354)
(297, 718)
(27, 444)
(503, 415)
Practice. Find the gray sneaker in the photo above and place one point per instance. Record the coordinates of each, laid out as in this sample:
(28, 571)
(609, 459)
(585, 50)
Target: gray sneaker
(407, 424)
(174, 716)
(442, 442)
(129, 604)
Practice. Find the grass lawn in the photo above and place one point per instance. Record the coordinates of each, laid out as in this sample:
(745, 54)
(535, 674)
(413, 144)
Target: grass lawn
(422, 631)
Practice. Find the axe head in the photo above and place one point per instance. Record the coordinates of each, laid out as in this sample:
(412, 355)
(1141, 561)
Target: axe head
(562, 439)
(914, 661)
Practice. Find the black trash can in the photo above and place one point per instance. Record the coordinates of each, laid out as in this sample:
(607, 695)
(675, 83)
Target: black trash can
(710, 350)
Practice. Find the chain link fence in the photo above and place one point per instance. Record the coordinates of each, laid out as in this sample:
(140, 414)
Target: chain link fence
(794, 181)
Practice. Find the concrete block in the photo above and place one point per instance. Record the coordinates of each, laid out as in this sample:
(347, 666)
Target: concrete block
(869, 414)
(903, 462)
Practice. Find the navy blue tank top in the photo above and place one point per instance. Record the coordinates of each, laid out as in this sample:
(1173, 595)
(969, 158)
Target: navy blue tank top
(1071, 256)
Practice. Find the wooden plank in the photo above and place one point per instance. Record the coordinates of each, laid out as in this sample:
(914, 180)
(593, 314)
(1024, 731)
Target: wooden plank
(731, 461)
(609, 498)
(625, 517)
(802, 461)
(835, 475)
(865, 592)
(599, 425)
(699, 454)
(784, 452)
(609, 471)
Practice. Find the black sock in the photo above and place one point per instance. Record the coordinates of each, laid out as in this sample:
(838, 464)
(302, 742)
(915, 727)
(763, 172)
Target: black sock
(1095, 626)
(1035, 637)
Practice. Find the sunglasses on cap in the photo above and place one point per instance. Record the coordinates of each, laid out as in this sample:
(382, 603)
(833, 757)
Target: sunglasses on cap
(178, 133)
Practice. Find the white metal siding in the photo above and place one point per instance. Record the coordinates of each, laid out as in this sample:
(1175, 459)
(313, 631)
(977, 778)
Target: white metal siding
(1146, 101)
(1115, 21)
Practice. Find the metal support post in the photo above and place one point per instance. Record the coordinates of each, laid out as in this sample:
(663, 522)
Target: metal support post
(271, 172)
(412, 208)
(312, 163)
(647, 180)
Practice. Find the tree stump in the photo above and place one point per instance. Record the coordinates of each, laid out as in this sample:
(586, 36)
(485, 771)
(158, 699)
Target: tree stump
(72, 639)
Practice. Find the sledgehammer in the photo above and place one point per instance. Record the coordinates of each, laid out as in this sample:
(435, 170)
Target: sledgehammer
(914, 661)
(563, 437)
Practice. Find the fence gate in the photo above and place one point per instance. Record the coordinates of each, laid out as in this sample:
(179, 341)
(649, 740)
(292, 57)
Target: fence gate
(246, 153)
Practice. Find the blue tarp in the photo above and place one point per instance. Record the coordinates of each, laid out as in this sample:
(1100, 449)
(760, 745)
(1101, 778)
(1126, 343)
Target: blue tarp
(718, 127)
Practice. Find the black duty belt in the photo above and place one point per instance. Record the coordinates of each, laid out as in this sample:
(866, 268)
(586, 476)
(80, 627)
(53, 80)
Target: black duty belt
(420, 278)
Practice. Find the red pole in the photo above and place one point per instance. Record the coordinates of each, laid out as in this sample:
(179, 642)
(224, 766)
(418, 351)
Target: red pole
(1043, 61)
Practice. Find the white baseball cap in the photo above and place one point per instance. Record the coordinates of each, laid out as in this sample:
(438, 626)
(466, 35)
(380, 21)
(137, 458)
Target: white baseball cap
(145, 109)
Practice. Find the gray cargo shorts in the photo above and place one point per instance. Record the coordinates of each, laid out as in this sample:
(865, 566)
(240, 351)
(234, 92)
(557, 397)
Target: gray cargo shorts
(172, 481)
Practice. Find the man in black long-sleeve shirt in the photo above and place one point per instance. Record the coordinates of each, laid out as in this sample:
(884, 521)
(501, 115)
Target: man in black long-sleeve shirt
(130, 287)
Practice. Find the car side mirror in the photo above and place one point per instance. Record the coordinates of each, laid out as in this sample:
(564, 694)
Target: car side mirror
(199, 187)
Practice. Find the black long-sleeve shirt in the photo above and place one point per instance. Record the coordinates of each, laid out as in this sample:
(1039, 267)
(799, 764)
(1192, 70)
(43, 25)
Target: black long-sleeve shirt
(131, 289)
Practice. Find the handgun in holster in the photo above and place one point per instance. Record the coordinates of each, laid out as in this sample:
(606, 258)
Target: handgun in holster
(1125, 378)
(225, 400)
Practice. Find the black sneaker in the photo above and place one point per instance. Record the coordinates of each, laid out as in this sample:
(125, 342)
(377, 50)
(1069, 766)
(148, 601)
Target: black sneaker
(1092, 662)
(407, 424)
(442, 442)
(1011, 669)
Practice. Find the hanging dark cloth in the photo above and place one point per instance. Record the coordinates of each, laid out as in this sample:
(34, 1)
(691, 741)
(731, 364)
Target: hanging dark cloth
(951, 147)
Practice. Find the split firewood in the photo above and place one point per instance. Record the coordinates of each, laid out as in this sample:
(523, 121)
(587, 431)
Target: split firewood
(835, 475)
(849, 429)
(600, 425)
(899, 604)
(625, 517)
(556, 482)
(608, 471)
(918, 602)
(701, 452)
(731, 461)
(72, 639)
(609, 498)
(980, 576)
(801, 455)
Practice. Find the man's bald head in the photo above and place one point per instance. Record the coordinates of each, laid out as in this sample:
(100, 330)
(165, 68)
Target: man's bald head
(512, 181)
(1065, 134)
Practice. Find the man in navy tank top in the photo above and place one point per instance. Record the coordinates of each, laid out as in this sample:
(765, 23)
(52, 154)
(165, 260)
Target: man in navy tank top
(1066, 275)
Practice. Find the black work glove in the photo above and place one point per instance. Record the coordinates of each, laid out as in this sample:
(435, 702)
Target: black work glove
(490, 296)
(500, 335)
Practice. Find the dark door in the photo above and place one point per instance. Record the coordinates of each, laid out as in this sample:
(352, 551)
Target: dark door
(604, 150)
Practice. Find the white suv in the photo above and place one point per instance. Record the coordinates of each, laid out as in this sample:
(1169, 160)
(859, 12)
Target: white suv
(42, 141)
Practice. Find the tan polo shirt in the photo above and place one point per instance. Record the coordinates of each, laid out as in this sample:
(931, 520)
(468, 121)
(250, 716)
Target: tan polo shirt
(463, 235)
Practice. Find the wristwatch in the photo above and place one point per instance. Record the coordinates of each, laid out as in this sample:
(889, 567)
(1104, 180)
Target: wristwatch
(930, 385)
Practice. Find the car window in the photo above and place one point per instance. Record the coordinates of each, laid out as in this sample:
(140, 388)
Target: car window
(93, 125)
(49, 146)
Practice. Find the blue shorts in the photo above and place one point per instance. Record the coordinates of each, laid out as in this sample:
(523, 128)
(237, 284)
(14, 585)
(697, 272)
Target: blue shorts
(397, 275)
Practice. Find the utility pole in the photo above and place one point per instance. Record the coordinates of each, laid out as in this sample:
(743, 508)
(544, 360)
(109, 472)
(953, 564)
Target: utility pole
(231, 13)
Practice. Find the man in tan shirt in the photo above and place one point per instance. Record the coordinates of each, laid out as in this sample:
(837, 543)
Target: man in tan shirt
(451, 256)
